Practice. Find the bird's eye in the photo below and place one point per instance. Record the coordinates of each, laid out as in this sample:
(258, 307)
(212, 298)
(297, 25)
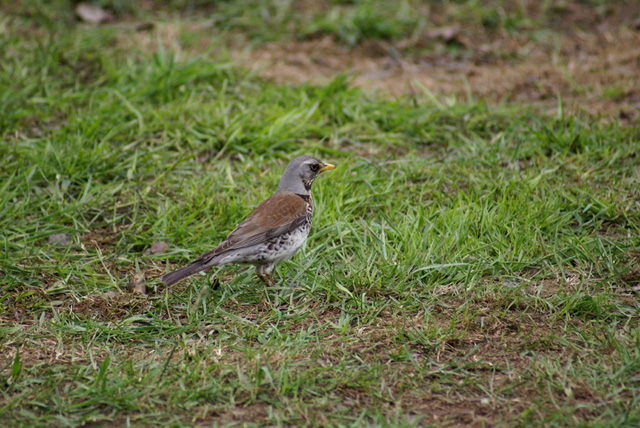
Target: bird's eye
(314, 167)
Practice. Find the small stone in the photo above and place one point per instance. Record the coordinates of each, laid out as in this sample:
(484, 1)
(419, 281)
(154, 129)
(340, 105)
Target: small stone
(444, 33)
(111, 294)
(137, 283)
(93, 14)
(158, 247)
(59, 239)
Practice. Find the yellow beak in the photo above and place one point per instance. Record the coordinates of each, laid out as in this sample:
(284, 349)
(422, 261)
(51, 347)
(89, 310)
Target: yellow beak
(327, 167)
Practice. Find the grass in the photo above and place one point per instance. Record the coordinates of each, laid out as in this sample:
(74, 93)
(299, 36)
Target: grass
(468, 265)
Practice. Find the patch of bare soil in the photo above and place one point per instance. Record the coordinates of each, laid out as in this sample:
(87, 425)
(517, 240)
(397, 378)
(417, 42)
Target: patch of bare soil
(590, 61)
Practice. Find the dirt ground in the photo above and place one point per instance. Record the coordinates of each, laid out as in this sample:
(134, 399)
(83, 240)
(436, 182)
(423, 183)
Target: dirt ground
(588, 59)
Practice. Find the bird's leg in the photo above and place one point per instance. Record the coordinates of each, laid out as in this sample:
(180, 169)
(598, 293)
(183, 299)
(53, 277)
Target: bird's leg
(262, 278)
(265, 298)
(271, 280)
(273, 284)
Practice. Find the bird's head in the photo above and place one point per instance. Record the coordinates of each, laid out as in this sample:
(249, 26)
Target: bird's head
(300, 173)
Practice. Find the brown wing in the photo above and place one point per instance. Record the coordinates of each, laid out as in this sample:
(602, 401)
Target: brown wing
(278, 214)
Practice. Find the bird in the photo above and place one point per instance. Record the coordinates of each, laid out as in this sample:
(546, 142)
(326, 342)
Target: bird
(273, 232)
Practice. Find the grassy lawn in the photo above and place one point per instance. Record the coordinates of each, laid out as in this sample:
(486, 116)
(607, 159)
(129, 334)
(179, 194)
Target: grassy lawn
(469, 263)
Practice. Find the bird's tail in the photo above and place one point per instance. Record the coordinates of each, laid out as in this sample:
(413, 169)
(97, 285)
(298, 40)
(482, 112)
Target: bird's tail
(180, 274)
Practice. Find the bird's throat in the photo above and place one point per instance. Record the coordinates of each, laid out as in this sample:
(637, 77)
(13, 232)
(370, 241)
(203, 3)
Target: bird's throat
(307, 185)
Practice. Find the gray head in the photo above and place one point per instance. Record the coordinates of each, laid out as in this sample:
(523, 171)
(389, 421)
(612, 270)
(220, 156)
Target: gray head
(300, 173)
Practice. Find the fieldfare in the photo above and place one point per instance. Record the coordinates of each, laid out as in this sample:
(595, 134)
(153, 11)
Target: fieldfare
(273, 232)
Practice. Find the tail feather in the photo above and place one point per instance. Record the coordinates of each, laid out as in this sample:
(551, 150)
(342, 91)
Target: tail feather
(180, 274)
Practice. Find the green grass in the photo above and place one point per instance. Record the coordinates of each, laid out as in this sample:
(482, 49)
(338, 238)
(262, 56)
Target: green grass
(468, 265)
